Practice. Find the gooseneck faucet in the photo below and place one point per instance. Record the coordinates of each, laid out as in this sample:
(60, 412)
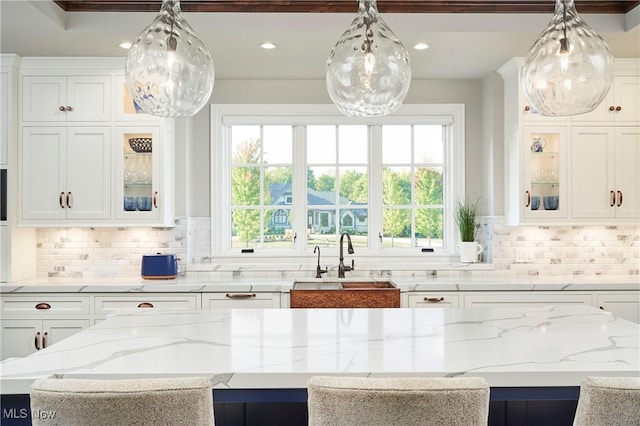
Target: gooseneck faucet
(341, 268)
(319, 270)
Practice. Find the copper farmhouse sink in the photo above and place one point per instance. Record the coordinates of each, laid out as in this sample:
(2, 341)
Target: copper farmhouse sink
(345, 294)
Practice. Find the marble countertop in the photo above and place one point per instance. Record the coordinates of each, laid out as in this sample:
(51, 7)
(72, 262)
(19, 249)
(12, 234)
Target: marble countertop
(283, 348)
(488, 282)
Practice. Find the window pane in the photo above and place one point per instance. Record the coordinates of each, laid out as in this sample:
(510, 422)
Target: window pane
(354, 185)
(352, 144)
(355, 222)
(245, 146)
(277, 225)
(278, 143)
(277, 186)
(321, 144)
(396, 144)
(429, 227)
(245, 186)
(429, 147)
(429, 189)
(321, 186)
(321, 226)
(246, 228)
(396, 186)
(397, 227)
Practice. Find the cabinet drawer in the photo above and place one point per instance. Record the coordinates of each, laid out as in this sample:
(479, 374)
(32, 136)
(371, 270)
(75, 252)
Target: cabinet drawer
(433, 300)
(46, 305)
(107, 304)
(229, 300)
(523, 298)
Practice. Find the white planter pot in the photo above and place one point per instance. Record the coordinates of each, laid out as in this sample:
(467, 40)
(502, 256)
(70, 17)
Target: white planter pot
(470, 252)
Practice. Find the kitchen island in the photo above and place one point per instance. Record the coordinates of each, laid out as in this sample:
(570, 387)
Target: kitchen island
(259, 360)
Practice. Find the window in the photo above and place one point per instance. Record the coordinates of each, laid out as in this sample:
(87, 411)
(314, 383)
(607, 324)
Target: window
(286, 178)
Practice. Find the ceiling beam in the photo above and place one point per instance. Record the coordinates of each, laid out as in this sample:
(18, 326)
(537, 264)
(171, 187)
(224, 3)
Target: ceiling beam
(347, 6)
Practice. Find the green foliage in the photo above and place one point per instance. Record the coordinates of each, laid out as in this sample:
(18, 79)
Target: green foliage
(429, 191)
(245, 191)
(247, 224)
(326, 183)
(465, 216)
(354, 186)
(397, 222)
(311, 178)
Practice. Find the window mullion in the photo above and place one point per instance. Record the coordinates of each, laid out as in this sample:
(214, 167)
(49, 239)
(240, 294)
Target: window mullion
(375, 187)
(299, 187)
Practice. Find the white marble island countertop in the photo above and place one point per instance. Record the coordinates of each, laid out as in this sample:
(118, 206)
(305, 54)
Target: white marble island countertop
(283, 348)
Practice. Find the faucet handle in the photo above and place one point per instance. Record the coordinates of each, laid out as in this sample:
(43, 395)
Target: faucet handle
(320, 271)
(352, 267)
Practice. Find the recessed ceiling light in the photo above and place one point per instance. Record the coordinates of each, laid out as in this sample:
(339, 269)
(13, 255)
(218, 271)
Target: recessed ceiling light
(125, 45)
(421, 46)
(268, 45)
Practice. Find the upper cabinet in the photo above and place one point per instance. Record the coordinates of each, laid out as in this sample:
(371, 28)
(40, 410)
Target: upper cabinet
(66, 98)
(4, 118)
(580, 169)
(86, 151)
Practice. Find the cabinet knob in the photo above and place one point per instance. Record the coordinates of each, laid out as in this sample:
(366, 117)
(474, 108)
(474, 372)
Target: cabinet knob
(618, 108)
(43, 306)
(612, 108)
(62, 108)
(145, 305)
(240, 295)
(434, 299)
(36, 341)
(527, 108)
(69, 108)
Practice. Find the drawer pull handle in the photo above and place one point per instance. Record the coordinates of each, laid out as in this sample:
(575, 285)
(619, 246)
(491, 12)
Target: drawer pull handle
(43, 306)
(155, 199)
(69, 200)
(44, 340)
(619, 198)
(240, 296)
(613, 199)
(60, 200)
(528, 198)
(145, 305)
(434, 299)
(36, 341)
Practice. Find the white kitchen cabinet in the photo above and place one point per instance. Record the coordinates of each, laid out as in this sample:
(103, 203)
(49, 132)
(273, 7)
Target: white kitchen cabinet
(424, 299)
(622, 104)
(22, 337)
(105, 304)
(605, 172)
(66, 174)
(4, 117)
(622, 304)
(251, 299)
(32, 322)
(4, 259)
(143, 185)
(66, 98)
(496, 299)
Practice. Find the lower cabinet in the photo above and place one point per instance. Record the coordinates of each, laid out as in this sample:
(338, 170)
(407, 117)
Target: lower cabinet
(229, 300)
(526, 298)
(22, 337)
(622, 304)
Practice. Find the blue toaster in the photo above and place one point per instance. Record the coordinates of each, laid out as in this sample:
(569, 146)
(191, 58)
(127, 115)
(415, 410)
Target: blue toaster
(159, 266)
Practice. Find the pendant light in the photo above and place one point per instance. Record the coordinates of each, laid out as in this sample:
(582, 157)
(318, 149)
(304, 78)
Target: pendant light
(368, 71)
(169, 71)
(569, 69)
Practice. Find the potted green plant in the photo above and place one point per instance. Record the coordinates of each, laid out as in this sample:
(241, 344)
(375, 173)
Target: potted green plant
(465, 216)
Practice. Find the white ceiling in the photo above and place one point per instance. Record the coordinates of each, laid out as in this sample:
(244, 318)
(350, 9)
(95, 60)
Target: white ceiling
(463, 46)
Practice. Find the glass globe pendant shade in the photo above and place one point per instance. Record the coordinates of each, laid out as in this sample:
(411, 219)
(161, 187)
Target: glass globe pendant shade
(368, 70)
(169, 71)
(569, 69)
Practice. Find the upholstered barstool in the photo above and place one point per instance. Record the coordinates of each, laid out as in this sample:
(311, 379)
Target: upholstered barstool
(610, 401)
(398, 401)
(173, 401)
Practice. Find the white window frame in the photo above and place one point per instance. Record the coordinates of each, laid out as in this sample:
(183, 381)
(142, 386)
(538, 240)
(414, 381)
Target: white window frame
(225, 115)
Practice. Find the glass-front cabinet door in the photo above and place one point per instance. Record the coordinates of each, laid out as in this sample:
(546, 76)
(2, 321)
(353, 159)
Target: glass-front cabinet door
(138, 173)
(544, 172)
